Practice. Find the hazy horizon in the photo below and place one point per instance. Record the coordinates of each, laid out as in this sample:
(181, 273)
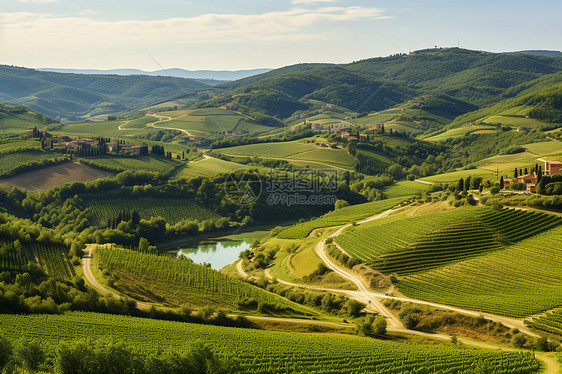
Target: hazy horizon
(234, 35)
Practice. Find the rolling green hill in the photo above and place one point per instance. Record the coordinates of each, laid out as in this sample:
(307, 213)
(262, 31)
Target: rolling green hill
(535, 103)
(78, 96)
(18, 119)
(471, 77)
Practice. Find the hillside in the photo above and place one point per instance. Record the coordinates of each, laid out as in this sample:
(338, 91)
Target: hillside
(17, 119)
(535, 103)
(76, 96)
(473, 77)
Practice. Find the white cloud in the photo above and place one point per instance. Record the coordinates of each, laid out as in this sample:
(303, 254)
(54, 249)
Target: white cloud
(312, 1)
(31, 29)
(88, 12)
(37, 1)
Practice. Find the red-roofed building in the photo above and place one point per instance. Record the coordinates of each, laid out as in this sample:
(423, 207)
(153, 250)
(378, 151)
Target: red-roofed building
(552, 167)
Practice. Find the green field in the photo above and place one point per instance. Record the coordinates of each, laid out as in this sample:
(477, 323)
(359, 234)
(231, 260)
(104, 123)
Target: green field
(550, 323)
(52, 258)
(270, 150)
(454, 176)
(159, 165)
(459, 132)
(173, 282)
(9, 145)
(105, 129)
(139, 123)
(208, 167)
(10, 161)
(405, 188)
(515, 121)
(519, 281)
(172, 210)
(416, 244)
(339, 217)
(211, 120)
(544, 148)
(331, 157)
(283, 353)
(11, 123)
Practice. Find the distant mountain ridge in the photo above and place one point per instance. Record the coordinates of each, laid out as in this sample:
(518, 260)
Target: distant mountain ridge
(219, 75)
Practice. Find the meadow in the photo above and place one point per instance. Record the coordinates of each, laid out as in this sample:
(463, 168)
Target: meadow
(283, 353)
(515, 121)
(172, 210)
(454, 176)
(207, 167)
(339, 217)
(405, 188)
(459, 132)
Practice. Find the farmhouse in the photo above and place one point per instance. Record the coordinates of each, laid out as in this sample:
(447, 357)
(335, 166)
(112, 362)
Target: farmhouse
(552, 167)
(529, 180)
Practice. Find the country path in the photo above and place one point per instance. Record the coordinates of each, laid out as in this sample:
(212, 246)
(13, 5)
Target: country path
(152, 124)
(86, 267)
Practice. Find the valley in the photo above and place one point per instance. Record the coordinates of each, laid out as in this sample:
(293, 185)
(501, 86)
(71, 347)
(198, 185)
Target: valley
(398, 214)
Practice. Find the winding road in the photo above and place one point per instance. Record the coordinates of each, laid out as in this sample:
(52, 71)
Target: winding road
(166, 119)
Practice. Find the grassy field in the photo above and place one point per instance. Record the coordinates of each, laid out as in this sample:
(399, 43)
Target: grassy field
(208, 167)
(515, 121)
(211, 120)
(544, 148)
(9, 145)
(454, 176)
(11, 123)
(521, 280)
(48, 177)
(104, 129)
(139, 123)
(141, 163)
(405, 188)
(10, 161)
(339, 217)
(283, 353)
(172, 210)
(173, 282)
(271, 150)
(459, 132)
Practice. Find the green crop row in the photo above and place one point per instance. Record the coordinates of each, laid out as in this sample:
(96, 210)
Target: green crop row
(172, 210)
(521, 280)
(271, 352)
(179, 281)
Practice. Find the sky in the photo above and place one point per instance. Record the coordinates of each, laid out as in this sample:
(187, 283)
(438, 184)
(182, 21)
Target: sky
(236, 34)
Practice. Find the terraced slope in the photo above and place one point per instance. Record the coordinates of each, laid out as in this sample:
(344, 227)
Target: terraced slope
(521, 280)
(283, 353)
(175, 282)
(550, 323)
(369, 241)
(422, 243)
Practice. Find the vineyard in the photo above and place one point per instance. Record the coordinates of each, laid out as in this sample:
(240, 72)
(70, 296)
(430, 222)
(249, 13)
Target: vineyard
(178, 281)
(268, 351)
(52, 258)
(389, 235)
(420, 243)
(339, 217)
(521, 280)
(19, 161)
(158, 165)
(550, 323)
(172, 210)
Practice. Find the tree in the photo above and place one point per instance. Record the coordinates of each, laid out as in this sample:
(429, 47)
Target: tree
(515, 174)
(460, 186)
(519, 340)
(30, 355)
(467, 184)
(340, 203)
(379, 325)
(396, 171)
(143, 245)
(5, 352)
(501, 183)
